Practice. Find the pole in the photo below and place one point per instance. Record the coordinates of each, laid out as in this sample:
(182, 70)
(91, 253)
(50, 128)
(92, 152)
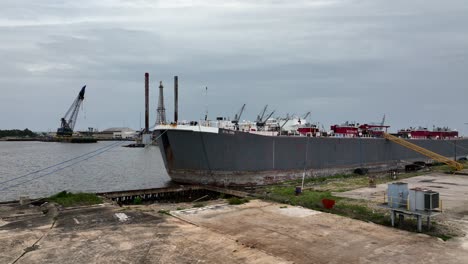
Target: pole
(305, 161)
(146, 102)
(206, 98)
(455, 145)
(176, 99)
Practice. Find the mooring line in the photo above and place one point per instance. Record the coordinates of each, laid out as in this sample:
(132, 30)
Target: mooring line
(35, 243)
(59, 169)
(99, 151)
(55, 165)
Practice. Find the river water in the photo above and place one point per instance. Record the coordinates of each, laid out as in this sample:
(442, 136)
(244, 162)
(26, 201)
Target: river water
(100, 167)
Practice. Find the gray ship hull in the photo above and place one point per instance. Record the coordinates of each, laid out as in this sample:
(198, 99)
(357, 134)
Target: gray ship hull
(232, 158)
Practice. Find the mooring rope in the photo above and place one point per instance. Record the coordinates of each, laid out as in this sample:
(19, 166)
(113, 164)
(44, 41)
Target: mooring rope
(99, 151)
(62, 168)
(58, 164)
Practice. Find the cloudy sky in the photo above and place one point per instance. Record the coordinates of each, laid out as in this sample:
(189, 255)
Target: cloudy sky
(340, 59)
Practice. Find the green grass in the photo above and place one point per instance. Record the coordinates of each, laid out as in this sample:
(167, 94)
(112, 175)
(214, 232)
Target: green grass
(361, 212)
(166, 212)
(197, 205)
(313, 200)
(68, 199)
(237, 201)
(346, 182)
(309, 199)
(444, 237)
(137, 200)
(441, 167)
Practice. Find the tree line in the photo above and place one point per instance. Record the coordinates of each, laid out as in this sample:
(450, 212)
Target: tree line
(17, 133)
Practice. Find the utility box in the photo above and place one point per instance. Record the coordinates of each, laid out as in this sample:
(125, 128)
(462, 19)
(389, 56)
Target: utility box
(423, 199)
(397, 194)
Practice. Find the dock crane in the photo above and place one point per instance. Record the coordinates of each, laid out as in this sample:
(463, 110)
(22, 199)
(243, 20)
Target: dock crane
(261, 118)
(453, 164)
(68, 121)
(383, 121)
(237, 117)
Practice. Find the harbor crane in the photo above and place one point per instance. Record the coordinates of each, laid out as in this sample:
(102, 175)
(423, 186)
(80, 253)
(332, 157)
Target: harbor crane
(237, 117)
(261, 120)
(383, 121)
(68, 121)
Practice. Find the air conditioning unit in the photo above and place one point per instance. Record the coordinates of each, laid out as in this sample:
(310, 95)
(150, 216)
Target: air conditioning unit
(423, 199)
(431, 200)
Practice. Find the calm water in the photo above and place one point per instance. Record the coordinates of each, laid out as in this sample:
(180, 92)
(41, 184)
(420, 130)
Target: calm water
(118, 168)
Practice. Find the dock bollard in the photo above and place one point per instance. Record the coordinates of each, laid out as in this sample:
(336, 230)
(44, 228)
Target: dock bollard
(298, 190)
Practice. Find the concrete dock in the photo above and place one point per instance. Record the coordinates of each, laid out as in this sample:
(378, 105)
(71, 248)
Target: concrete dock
(256, 232)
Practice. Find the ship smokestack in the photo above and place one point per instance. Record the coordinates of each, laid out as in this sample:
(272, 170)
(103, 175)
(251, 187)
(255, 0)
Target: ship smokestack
(176, 99)
(146, 102)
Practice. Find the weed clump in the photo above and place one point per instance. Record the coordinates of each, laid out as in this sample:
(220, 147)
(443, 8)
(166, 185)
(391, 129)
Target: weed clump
(137, 200)
(237, 201)
(162, 211)
(68, 199)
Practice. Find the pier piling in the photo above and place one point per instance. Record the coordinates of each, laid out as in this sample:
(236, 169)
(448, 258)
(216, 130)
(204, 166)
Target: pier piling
(146, 102)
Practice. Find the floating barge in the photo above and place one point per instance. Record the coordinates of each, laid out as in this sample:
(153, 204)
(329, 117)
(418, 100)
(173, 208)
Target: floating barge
(208, 155)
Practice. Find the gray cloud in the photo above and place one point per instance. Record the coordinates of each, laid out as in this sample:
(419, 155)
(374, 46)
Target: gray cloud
(342, 60)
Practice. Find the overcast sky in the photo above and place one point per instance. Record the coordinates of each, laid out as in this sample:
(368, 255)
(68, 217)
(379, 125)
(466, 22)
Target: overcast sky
(340, 59)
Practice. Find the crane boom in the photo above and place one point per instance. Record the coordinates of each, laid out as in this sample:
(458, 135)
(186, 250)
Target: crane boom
(68, 121)
(455, 165)
(262, 114)
(238, 115)
(261, 118)
(268, 116)
(383, 121)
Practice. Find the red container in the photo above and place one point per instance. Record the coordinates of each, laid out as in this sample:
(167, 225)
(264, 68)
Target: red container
(328, 203)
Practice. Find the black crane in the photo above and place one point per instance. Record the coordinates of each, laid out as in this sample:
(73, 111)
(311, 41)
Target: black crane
(261, 120)
(237, 117)
(69, 120)
(262, 114)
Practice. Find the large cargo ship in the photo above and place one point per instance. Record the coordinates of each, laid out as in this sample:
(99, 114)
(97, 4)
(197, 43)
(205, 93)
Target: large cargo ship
(199, 154)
